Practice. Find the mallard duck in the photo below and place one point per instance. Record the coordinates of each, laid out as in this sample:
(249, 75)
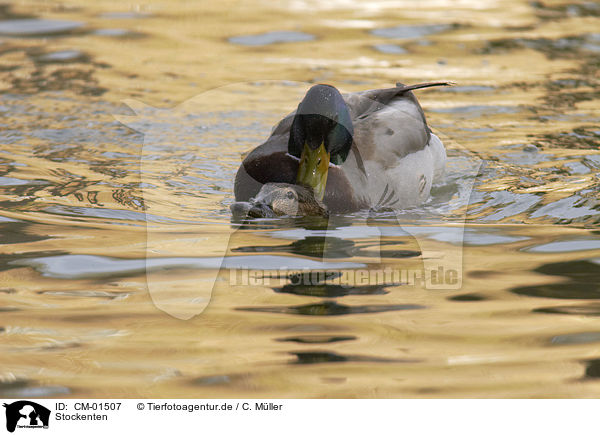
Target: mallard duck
(370, 149)
(281, 199)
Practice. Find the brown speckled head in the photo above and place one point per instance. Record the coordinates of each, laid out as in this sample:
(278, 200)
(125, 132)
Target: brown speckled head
(282, 199)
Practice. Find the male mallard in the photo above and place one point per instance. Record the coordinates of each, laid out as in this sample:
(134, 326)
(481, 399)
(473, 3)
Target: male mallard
(370, 149)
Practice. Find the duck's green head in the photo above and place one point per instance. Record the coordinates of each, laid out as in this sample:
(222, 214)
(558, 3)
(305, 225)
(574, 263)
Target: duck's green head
(321, 134)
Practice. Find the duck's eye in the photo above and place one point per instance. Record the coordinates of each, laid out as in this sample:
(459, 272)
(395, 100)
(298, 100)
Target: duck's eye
(289, 194)
(319, 161)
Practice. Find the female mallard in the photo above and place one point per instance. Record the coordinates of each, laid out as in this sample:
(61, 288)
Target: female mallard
(281, 199)
(370, 149)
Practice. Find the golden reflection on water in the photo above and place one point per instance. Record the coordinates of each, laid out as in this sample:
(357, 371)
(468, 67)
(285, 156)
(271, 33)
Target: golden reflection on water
(84, 199)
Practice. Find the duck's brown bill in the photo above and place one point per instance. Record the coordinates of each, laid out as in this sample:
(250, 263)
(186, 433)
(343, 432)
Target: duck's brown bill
(241, 210)
(312, 172)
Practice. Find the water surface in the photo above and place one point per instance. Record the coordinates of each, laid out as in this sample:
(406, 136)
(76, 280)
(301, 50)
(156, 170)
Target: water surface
(122, 129)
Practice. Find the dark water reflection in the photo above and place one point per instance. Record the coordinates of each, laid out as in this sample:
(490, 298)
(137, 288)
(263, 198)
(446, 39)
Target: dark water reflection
(317, 339)
(19, 232)
(330, 308)
(591, 309)
(592, 369)
(330, 290)
(316, 357)
(583, 281)
(467, 297)
(333, 247)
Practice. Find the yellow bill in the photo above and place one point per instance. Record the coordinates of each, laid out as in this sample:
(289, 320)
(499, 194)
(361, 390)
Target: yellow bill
(312, 172)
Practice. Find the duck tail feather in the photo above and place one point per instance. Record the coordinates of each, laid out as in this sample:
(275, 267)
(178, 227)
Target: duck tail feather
(403, 88)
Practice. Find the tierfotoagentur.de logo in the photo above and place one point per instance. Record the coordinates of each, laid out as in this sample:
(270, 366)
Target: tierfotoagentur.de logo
(25, 414)
(205, 247)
